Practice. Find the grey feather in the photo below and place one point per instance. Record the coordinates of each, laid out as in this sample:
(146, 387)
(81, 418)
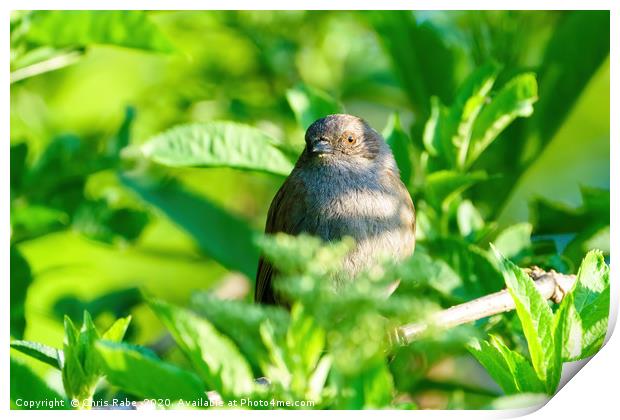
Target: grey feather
(351, 187)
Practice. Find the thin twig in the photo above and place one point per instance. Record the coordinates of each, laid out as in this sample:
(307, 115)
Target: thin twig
(551, 285)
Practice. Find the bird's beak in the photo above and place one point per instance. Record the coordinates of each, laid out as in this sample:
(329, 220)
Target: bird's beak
(321, 147)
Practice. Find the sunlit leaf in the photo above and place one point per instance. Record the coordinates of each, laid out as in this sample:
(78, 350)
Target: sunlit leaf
(513, 100)
(442, 186)
(147, 377)
(218, 144)
(41, 352)
(215, 358)
(73, 28)
(537, 321)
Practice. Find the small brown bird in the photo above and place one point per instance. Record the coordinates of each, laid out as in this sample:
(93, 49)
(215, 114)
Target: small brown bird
(345, 183)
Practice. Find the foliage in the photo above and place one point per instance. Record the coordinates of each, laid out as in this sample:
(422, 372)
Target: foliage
(186, 182)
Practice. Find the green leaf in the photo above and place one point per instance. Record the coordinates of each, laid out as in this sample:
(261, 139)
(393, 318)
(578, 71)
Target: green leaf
(73, 28)
(214, 356)
(147, 377)
(81, 370)
(568, 332)
(117, 331)
(400, 144)
(456, 129)
(224, 237)
(218, 144)
(514, 100)
(592, 289)
(26, 386)
(41, 352)
(537, 321)
(495, 363)
(372, 387)
(443, 186)
(305, 340)
(241, 321)
(310, 104)
(512, 372)
(513, 241)
(591, 301)
(21, 277)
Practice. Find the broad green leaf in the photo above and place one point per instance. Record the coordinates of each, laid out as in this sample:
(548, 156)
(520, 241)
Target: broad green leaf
(147, 377)
(510, 369)
(117, 331)
(592, 283)
(537, 321)
(83, 28)
(218, 144)
(45, 354)
(515, 99)
(27, 386)
(514, 240)
(241, 321)
(443, 186)
(214, 356)
(223, 236)
(587, 309)
(400, 144)
(310, 104)
(495, 364)
(456, 131)
(20, 280)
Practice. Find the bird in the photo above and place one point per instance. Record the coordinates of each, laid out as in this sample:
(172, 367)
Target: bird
(345, 184)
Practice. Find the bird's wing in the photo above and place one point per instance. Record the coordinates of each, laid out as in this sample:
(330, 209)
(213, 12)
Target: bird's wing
(285, 215)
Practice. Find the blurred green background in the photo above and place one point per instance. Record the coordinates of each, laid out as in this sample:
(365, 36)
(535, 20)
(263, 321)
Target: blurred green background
(90, 241)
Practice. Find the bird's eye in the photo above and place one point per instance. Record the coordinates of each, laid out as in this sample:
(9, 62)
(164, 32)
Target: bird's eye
(350, 139)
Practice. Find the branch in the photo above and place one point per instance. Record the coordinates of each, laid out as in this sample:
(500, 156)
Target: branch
(551, 285)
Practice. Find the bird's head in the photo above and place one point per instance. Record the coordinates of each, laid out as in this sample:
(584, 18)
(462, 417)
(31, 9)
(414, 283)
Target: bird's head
(344, 137)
